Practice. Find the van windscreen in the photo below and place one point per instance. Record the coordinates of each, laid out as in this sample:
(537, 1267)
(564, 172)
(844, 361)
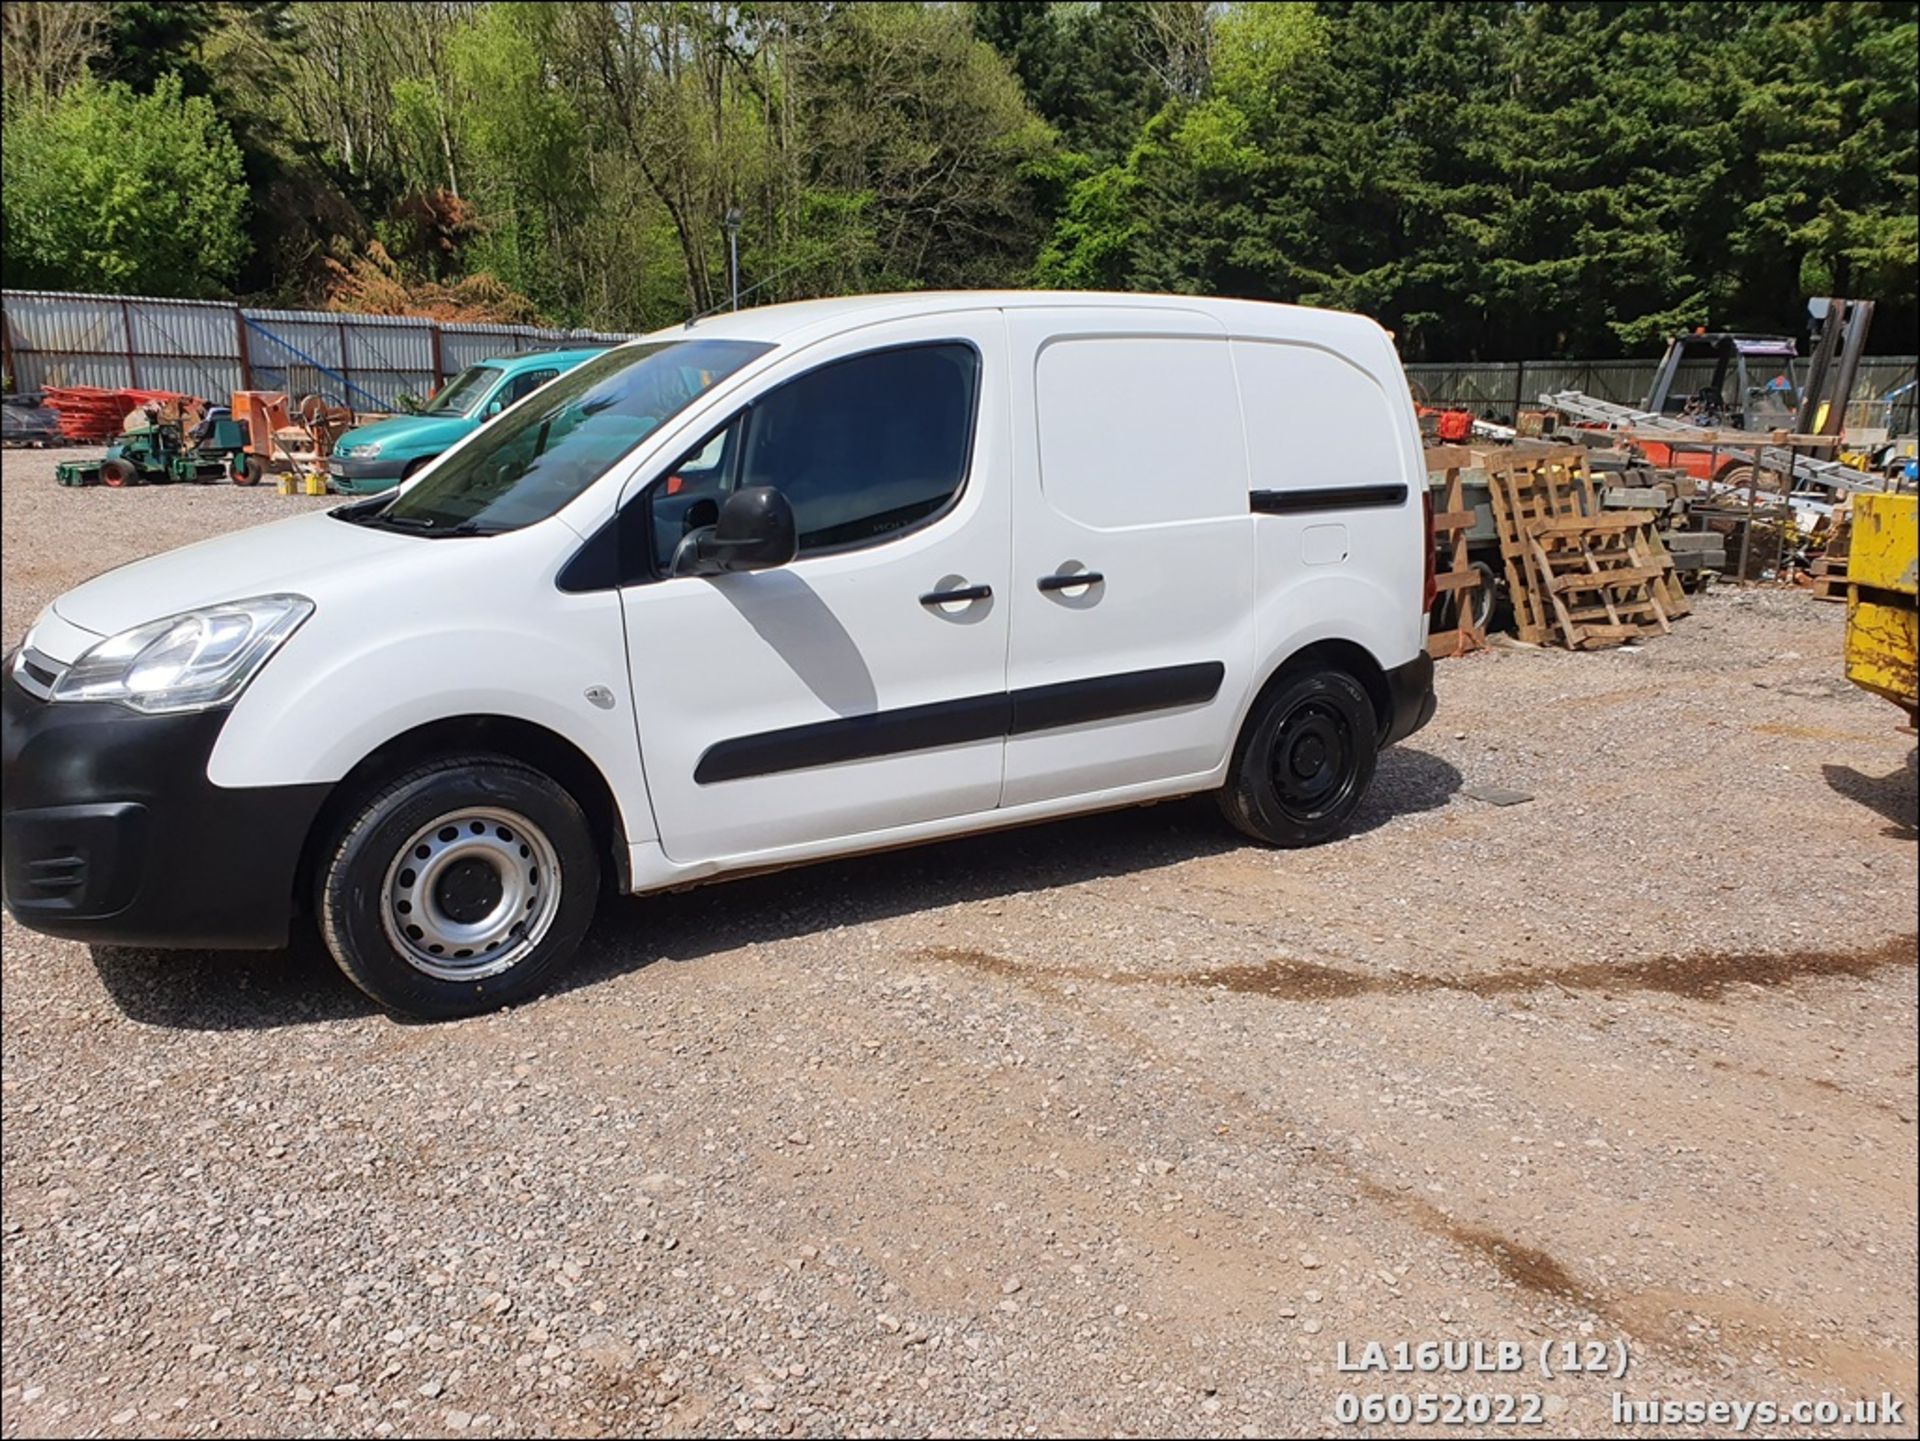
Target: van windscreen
(551, 446)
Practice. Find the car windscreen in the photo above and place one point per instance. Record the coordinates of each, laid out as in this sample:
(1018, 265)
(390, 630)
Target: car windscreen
(551, 446)
(463, 392)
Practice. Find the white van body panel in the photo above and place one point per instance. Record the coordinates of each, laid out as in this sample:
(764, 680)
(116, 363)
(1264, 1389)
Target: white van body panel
(1321, 417)
(297, 554)
(484, 632)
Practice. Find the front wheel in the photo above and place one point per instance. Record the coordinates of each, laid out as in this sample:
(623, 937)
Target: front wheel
(459, 887)
(1304, 761)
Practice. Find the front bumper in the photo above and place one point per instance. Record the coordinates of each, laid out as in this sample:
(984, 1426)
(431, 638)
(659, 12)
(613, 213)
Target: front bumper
(112, 833)
(351, 475)
(1411, 697)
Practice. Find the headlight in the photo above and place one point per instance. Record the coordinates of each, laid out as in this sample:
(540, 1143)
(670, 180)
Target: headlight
(366, 450)
(185, 662)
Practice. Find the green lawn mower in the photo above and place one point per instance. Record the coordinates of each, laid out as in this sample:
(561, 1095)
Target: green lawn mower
(160, 454)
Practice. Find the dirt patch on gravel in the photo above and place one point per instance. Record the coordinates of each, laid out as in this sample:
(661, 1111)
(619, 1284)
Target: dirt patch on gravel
(1707, 976)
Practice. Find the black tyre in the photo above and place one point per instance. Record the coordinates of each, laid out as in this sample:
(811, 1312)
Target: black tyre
(460, 886)
(248, 469)
(1305, 759)
(118, 473)
(1486, 599)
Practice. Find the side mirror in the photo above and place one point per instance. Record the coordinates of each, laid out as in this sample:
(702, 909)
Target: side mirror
(755, 531)
(495, 407)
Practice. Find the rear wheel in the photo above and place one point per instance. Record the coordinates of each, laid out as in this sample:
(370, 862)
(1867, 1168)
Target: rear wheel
(247, 469)
(459, 887)
(1305, 760)
(117, 473)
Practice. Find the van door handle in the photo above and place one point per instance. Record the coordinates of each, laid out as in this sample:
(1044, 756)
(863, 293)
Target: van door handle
(952, 597)
(1066, 580)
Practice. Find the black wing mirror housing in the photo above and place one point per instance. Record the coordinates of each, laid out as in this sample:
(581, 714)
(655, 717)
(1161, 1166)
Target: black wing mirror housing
(755, 531)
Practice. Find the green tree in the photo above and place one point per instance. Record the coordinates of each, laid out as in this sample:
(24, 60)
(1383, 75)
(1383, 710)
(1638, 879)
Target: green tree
(129, 194)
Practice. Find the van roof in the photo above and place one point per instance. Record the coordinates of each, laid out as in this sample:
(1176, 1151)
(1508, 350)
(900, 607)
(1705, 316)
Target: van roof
(801, 318)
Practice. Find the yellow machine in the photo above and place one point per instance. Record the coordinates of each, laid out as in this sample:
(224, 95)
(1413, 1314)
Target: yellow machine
(1883, 599)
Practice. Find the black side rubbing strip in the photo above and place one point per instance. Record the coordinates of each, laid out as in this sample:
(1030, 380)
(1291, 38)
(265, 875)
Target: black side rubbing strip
(958, 722)
(1340, 497)
(1075, 702)
(857, 738)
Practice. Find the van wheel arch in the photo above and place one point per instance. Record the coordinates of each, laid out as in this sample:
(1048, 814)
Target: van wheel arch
(1346, 656)
(532, 745)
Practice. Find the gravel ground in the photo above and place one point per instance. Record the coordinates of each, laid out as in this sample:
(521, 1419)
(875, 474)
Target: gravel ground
(1108, 1126)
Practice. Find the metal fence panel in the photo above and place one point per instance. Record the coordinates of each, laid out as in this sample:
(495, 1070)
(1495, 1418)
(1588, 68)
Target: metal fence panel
(184, 345)
(1879, 398)
(36, 370)
(1479, 386)
(390, 356)
(57, 339)
(303, 352)
(464, 345)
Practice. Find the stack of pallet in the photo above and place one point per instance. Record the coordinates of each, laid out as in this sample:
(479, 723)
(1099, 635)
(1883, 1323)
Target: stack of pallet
(1829, 573)
(1579, 574)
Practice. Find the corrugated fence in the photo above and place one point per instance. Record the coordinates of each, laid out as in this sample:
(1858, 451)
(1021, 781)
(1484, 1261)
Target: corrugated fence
(207, 347)
(210, 347)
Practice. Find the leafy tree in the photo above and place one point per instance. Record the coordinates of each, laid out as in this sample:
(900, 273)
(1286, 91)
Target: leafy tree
(130, 194)
(1488, 179)
(150, 40)
(45, 48)
(1080, 66)
(926, 126)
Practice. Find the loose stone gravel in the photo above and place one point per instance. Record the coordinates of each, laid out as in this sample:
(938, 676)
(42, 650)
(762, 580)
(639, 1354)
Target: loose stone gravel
(1111, 1126)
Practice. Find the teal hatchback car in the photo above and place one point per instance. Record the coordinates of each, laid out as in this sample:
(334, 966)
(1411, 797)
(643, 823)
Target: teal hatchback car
(378, 457)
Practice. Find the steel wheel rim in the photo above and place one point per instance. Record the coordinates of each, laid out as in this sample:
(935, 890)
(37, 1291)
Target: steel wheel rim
(471, 893)
(1313, 759)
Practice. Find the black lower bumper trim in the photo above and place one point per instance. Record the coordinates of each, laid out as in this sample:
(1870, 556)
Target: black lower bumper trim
(112, 832)
(1410, 691)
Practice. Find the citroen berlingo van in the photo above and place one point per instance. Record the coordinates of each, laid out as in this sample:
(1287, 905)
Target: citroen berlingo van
(791, 583)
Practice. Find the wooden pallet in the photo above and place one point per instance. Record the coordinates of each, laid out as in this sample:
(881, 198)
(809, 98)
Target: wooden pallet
(1829, 578)
(1829, 571)
(1578, 575)
(1452, 519)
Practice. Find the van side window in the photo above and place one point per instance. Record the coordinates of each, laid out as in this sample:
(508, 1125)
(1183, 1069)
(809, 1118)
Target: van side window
(867, 447)
(524, 385)
(686, 498)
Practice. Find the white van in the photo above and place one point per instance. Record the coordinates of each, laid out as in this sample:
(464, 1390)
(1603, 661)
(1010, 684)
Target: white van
(791, 583)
